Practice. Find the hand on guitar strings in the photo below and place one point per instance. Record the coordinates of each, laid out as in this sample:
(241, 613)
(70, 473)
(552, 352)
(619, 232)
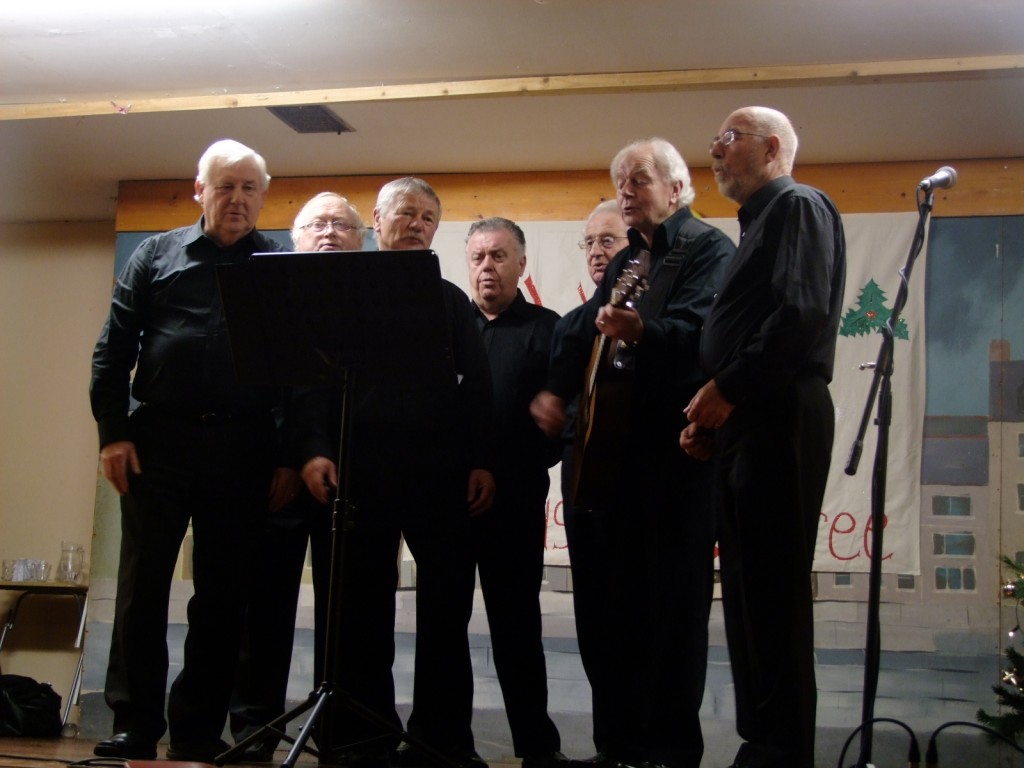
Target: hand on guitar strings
(548, 410)
(620, 323)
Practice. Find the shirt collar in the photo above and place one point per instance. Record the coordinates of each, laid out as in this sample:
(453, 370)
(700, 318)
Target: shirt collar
(197, 233)
(515, 308)
(758, 201)
(664, 234)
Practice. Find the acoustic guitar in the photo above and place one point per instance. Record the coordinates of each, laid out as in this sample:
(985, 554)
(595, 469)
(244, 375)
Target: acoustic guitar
(602, 419)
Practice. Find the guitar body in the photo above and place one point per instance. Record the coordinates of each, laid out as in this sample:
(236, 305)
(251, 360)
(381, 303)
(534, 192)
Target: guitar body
(603, 417)
(602, 422)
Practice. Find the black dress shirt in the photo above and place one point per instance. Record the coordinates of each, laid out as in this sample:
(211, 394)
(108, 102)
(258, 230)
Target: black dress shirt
(778, 312)
(167, 316)
(518, 346)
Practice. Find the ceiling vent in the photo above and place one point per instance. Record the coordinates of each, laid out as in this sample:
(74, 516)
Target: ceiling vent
(311, 119)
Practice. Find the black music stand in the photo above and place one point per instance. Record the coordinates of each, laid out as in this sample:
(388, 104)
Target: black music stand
(327, 318)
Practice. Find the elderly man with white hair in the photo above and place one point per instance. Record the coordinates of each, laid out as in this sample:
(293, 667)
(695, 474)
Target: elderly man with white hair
(200, 450)
(658, 503)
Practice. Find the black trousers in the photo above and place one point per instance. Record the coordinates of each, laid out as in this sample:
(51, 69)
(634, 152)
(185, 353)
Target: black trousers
(216, 475)
(588, 534)
(661, 572)
(771, 470)
(508, 546)
(264, 662)
(430, 512)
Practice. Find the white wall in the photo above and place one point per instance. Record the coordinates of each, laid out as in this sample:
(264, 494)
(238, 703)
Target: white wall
(55, 282)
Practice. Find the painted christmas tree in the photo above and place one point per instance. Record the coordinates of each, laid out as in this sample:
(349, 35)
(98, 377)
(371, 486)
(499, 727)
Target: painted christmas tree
(871, 314)
(1010, 693)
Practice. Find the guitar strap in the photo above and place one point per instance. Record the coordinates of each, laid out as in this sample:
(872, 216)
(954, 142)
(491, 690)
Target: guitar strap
(661, 282)
(654, 299)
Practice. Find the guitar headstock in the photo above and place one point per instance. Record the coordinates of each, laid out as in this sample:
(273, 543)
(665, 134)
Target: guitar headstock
(630, 286)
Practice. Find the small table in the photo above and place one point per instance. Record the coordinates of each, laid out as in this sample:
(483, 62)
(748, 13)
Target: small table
(80, 592)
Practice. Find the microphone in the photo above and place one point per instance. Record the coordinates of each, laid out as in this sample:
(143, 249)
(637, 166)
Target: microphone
(944, 178)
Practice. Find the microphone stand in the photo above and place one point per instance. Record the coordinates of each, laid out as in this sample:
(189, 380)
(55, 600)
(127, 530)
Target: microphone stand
(881, 386)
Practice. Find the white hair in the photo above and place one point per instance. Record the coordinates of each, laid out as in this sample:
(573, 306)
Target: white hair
(667, 160)
(230, 152)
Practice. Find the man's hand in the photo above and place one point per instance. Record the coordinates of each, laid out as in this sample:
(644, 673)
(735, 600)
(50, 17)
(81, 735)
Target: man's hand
(709, 408)
(548, 410)
(480, 493)
(284, 487)
(622, 324)
(117, 459)
(697, 442)
(321, 477)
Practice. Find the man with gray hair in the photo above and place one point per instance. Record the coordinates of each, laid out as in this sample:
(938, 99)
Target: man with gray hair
(768, 349)
(508, 540)
(201, 449)
(419, 471)
(659, 506)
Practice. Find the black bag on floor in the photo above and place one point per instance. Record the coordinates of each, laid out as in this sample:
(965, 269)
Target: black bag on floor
(28, 708)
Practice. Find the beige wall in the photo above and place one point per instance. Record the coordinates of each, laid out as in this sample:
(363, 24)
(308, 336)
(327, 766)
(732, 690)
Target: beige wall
(55, 282)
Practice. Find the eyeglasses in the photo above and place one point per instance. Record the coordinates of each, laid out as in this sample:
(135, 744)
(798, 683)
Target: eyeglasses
(728, 137)
(319, 225)
(607, 242)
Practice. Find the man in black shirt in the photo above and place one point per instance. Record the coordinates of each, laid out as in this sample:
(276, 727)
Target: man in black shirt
(200, 448)
(588, 529)
(508, 539)
(419, 470)
(660, 509)
(769, 345)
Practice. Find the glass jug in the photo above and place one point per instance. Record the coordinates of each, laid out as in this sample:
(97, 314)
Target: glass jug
(69, 567)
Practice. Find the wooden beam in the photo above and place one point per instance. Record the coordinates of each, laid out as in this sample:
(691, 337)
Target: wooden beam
(984, 188)
(804, 75)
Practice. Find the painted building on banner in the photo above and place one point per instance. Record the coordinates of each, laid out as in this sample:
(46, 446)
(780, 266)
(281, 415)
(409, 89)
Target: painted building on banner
(972, 502)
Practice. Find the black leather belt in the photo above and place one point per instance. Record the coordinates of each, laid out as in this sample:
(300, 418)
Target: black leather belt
(207, 418)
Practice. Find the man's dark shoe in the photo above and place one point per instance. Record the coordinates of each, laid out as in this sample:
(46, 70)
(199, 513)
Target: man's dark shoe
(752, 755)
(407, 756)
(358, 759)
(600, 760)
(127, 745)
(546, 760)
(196, 751)
(257, 752)
(470, 760)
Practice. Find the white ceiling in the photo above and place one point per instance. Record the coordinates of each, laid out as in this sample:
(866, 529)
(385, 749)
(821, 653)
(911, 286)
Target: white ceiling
(68, 56)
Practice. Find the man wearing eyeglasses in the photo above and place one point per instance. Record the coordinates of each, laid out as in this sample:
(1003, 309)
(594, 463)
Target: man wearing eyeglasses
(768, 347)
(659, 508)
(327, 222)
(604, 235)
(587, 530)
